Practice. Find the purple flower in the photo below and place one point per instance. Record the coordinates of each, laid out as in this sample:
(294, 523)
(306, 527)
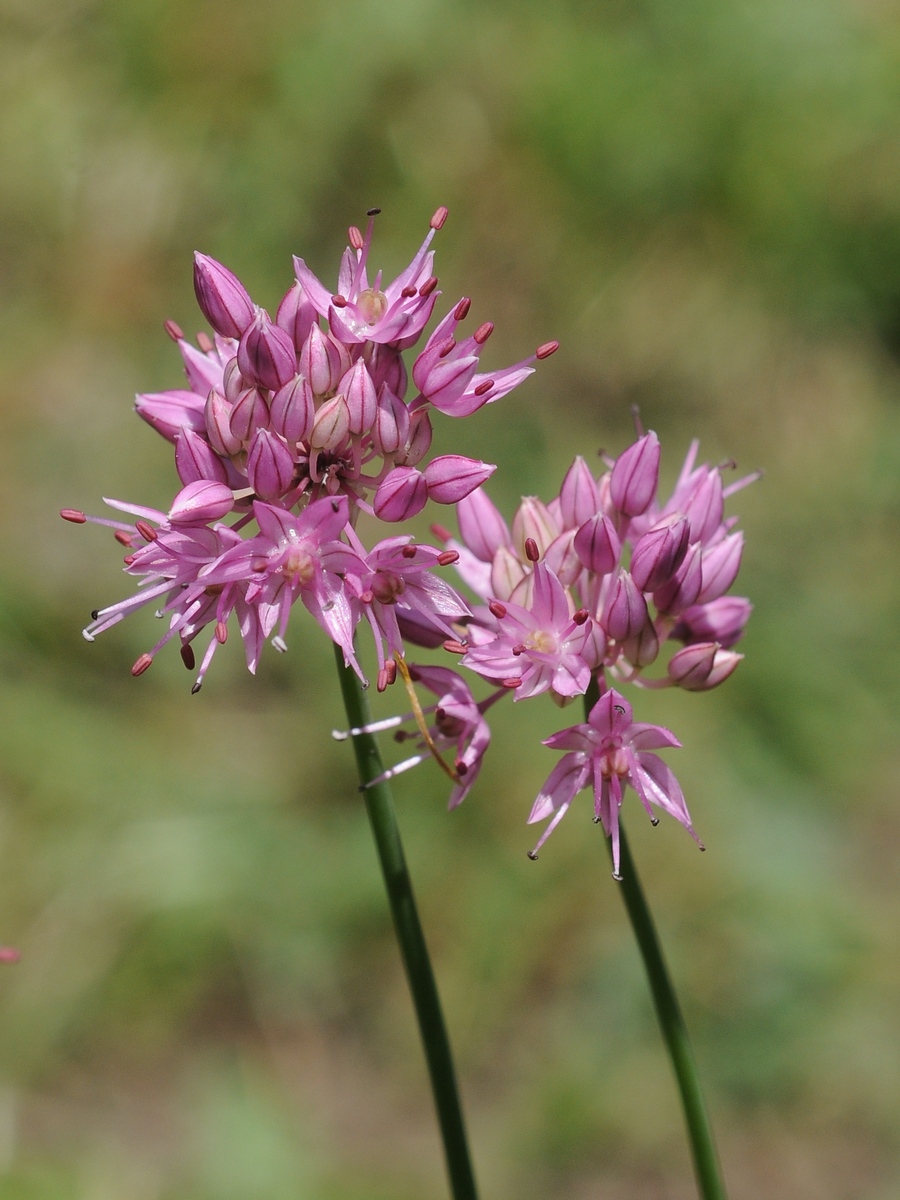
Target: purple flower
(610, 751)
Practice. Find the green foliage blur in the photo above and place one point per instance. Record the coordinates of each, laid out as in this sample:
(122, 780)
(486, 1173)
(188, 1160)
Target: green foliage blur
(702, 202)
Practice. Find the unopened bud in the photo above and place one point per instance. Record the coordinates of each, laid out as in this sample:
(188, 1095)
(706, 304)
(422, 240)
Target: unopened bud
(222, 297)
(270, 467)
(201, 502)
(659, 553)
(451, 477)
(266, 354)
(195, 459)
(635, 476)
(331, 426)
(702, 666)
(402, 494)
(597, 545)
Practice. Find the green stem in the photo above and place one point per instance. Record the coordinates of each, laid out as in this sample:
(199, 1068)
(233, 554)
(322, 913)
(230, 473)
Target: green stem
(671, 1021)
(419, 974)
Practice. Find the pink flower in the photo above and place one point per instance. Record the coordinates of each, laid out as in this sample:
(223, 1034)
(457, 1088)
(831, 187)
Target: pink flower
(610, 751)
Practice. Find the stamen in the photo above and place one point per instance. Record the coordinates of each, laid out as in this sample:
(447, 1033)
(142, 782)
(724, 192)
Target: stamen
(428, 286)
(497, 609)
(484, 387)
(407, 765)
(123, 538)
(355, 238)
(339, 301)
(187, 655)
(279, 644)
(408, 292)
(205, 342)
(462, 309)
(531, 550)
(173, 329)
(446, 347)
(454, 647)
(221, 632)
(142, 664)
(420, 718)
(147, 532)
(409, 551)
(546, 350)
(483, 332)
(372, 212)
(512, 684)
(95, 614)
(580, 616)
(441, 533)
(75, 515)
(440, 216)
(447, 557)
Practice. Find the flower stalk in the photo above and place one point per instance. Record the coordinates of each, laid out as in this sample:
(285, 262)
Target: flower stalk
(416, 962)
(668, 1013)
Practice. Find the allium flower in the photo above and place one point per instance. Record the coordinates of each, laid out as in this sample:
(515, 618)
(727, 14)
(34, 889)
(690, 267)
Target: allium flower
(286, 432)
(459, 726)
(610, 751)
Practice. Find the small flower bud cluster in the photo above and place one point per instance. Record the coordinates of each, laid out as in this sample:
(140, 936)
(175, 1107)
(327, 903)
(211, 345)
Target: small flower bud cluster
(626, 570)
(287, 430)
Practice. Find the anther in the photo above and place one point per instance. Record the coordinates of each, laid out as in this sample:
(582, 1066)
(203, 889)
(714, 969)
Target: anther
(128, 559)
(123, 538)
(74, 515)
(462, 309)
(409, 551)
(339, 301)
(461, 768)
(258, 566)
(221, 632)
(173, 329)
(497, 609)
(512, 684)
(187, 655)
(617, 877)
(484, 387)
(408, 292)
(279, 644)
(440, 216)
(147, 532)
(454, 647)
(372, 212)
(531, 550)
(546, 350)
(447, 557)
(619, 709)
(95, 614)
(205, 342)
(196, 688)
(654, 821)
(355, 238)
(519, 649)
(428, 286)
(532, 854)
(367, 596)
(446, 347)
(145, 661)
(580, 616)
(483, 332)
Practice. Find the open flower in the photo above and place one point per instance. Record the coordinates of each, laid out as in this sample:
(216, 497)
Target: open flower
(610, 751)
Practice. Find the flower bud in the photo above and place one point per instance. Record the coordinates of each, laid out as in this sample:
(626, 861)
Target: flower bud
(635, 476)
(533, 519)
(416, 628)
(625, 612)
(451, 477)
(170, 412)
(390, 429)
(721, 621)
(481, 526)
(195, 459)
(249, 414)
(594, 649)
(293, 411)
(359, 392)
(702, 666)
(419, 441)
(402, 494)
(720, 565)
(507, 573)
(331, 426)
(218, 425)
(643, 648)
(296, 315)
(658, 554)
(705, 506)
(682, 590)
(222, 297)
(266, 354)
(201, 502)
(579, 497)
(386, 367)
(562, 558)
(270, 467)
(597, 545)
(232, 380)
(323, 361)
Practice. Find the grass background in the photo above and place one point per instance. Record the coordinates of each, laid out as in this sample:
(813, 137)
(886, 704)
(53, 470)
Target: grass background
(702, 202)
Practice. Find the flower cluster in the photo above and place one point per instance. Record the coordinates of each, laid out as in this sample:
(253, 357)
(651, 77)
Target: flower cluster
(591, 586)
(288, 429)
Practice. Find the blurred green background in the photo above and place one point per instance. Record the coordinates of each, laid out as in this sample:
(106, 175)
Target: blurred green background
(702, 202)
